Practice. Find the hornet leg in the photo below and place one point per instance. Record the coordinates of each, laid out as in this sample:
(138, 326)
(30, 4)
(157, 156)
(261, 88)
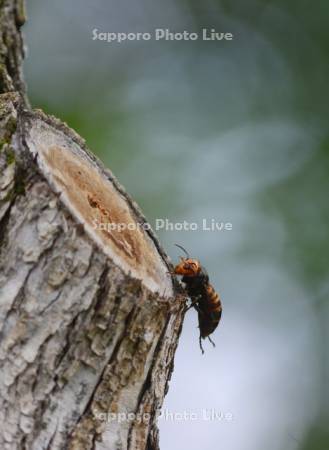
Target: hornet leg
(213, 343)
(194, 305)
(201, 344)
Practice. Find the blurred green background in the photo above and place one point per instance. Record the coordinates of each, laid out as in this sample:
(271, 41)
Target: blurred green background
(234, 131)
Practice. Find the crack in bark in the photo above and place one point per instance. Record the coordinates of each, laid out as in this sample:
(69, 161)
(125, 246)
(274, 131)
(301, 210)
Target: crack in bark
(87, 411)
(3, 225)
(50, 443)
(148, 381)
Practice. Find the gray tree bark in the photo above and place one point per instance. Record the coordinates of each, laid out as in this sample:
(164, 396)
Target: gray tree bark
(89, 317)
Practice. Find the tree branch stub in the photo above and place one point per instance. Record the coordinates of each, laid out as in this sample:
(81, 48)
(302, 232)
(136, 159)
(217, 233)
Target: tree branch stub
(89, 318)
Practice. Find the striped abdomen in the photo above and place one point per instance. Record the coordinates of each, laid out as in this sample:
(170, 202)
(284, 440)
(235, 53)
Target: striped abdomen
(210, 311)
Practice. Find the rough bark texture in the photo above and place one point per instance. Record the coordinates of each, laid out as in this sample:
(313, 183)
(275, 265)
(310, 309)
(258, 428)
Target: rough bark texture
(12, 17)
(89, 319)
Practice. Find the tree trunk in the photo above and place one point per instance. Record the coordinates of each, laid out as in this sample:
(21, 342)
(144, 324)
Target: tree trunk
(89, 316)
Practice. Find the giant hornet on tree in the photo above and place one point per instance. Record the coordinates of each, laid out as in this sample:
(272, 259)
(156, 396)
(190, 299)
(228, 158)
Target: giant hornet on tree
(203, 296)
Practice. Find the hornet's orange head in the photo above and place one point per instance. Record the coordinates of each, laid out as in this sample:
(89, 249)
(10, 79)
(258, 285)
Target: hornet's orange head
(188, 267)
